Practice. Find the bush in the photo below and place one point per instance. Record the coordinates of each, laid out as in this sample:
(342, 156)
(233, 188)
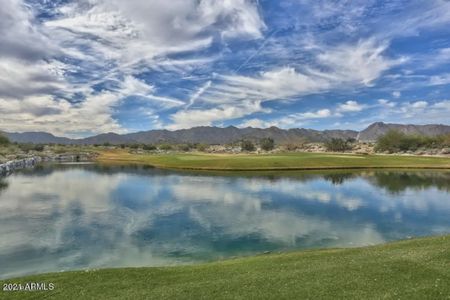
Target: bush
(38, 148)
(4, 140)
(338, 145)
(165, 147)
(396, 141)
(31, 147)
(184, 147)
(291, 147)
(149, 147)
(267, 144)
(247, 145)
(202, 147)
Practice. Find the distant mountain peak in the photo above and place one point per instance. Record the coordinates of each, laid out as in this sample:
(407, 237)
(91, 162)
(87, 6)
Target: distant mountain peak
(377, 129)
(230, 134)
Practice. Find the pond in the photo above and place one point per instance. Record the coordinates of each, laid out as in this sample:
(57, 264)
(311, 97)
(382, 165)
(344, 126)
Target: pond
(68, 217)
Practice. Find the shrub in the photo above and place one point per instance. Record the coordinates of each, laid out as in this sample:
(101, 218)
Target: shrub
(444, 140)
(338, 145)
(291, 147)
(31, 147)
(396, 141)
(4, 140)
(247, 145)
(202, 147)
(390, 142)
(267, 144)
(149, 147)
(165, 147)
(38, 148)
(184, 147)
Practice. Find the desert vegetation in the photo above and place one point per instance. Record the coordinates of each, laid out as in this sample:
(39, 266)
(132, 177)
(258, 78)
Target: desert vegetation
(395, 141)
(338, 145)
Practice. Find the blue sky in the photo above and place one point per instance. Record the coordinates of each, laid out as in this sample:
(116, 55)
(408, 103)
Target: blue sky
(78, 68)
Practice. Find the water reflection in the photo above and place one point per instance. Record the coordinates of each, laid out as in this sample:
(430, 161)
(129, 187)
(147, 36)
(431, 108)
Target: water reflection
(3, 184)
(71, 217)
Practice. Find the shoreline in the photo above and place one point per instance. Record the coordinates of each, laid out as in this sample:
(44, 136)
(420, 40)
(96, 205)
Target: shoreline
(336, 168)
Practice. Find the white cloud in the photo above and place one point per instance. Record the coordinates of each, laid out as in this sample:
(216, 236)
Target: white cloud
(110, 41)
(136, 32)
(19, 37)
(386, 103)
(350, 106)
(20, 78)
(419, 104)
(341, 67)
(440, 79)
(206, 117)
(425, 112)
(60, 117)
(361, 63)
(255, 123)
(321, 113)
(396, 94)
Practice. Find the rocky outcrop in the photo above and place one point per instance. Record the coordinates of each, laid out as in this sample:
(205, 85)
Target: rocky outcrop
(30, 162)
(17, 164)
(374, 131)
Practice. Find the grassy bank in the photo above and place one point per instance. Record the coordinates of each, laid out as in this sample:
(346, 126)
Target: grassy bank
(283, 161)
(412, 269)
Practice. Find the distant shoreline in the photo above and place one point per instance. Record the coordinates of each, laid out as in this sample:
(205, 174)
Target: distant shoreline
(274, 162)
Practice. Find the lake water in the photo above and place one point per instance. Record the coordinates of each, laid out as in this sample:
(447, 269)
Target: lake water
(69, 217)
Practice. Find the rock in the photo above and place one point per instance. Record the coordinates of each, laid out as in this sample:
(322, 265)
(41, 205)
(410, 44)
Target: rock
(445, 151)
(12, 165)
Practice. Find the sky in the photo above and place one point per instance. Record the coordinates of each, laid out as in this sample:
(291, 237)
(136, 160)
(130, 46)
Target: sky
(79, 68)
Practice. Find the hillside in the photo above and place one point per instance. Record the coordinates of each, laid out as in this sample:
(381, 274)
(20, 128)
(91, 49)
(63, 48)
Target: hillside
(378, 129)
(204, 134)
(217, 135)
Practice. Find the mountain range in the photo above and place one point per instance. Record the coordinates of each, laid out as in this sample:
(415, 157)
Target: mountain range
(218, 135)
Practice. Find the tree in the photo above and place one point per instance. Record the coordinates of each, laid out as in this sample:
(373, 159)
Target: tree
(392, 141)
(267, 144)
(337, 145)
(247, 145)
(4, 140)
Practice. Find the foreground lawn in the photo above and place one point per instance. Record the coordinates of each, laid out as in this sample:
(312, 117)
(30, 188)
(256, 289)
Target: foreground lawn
(412, 269)
(286, 161)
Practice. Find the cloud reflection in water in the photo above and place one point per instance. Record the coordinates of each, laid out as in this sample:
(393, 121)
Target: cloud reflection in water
(74, 217)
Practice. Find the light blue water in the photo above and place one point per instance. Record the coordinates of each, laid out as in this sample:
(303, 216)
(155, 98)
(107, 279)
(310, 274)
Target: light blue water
(87, 216)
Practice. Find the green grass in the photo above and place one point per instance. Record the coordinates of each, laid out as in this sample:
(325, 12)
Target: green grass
(411, 269)
(284, 161)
